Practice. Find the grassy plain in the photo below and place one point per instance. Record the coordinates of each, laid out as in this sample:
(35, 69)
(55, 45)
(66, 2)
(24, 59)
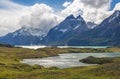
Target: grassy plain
(11, 68)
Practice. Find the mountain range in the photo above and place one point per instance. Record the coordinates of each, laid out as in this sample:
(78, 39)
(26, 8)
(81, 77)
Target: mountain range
(72, 31)
(106, 33)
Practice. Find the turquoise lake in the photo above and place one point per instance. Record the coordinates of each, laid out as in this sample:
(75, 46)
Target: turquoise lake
(67, 60)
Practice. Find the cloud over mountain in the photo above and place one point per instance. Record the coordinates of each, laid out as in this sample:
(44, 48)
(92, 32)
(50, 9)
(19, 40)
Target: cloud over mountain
(95, 10)
(16, 16)
(40, 16)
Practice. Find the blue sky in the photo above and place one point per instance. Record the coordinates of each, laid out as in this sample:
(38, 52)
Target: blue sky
(114, 2)
(56, 4)
(15, 14)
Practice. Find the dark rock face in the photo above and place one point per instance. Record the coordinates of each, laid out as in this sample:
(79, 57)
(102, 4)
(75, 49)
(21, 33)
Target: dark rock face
(20, 37)
(73, 31)
(67, 29)
(107, 33)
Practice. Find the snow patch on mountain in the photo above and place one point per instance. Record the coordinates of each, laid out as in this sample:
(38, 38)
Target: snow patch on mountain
(91, 25)
(29, 32)
(115, 15)
(76, 27)
(63, 30)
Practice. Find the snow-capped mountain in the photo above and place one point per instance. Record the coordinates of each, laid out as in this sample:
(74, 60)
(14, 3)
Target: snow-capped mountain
(70, 27)
(110, 26)
(115, 15)
(73, 31)
(114, 19)
(27, 31)
(71, 24)
(24, 36)
(105, 34)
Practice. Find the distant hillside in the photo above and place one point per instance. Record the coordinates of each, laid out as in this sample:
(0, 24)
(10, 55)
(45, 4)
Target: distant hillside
(105, 34)
(72, 31)
(6, 45)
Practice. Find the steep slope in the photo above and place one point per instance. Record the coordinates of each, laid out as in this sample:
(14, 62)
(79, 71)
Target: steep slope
(91, 25)
(73, 31)
(66, 30)
(107, 33)
(23, 36)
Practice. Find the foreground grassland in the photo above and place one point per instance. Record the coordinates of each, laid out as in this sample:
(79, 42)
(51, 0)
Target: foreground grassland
(11, 68)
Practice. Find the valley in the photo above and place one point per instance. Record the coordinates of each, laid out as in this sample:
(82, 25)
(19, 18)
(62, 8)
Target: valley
(11, 68)
(59, 39)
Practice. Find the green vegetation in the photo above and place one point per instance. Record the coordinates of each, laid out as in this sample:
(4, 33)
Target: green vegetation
(95, 60)
(11, 68)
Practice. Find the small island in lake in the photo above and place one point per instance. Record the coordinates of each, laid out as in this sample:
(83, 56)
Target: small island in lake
(11, 67)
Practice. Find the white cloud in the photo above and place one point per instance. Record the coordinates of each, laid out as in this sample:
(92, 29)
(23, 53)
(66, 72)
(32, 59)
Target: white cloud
(15, 16)
(8, 4)
(40, 16)
(95, 10)
(10, 14)
(66, 4)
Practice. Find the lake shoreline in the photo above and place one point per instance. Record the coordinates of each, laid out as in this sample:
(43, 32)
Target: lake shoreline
(37, 46)
(11, 67)
(68, 60)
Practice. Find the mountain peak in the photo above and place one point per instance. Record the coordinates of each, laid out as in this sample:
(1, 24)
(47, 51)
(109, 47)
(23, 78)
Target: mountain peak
(116, 13)
(79, 17)
(114, 16)
(70, 17)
